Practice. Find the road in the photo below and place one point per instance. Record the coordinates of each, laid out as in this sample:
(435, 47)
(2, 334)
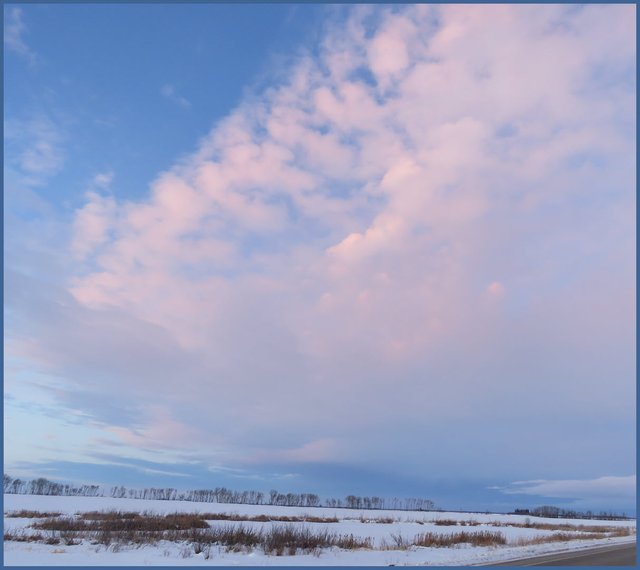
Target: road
(618, 555)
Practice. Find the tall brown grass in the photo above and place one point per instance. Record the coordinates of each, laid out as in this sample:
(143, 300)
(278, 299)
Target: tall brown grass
(115, 528)
(560, 526)
(481, 538)
(25, 514)
(114, 522)
(266, 518)
(568, 536)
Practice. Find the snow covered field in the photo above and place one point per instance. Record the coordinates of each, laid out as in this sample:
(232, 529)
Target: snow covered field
(390, 534)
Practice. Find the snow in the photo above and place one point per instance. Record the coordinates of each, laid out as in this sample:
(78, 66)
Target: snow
(405, 523)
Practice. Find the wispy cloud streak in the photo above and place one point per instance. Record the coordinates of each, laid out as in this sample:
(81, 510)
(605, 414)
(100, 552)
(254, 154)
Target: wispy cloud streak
(14, 31)
(168, 91)
(34, 148)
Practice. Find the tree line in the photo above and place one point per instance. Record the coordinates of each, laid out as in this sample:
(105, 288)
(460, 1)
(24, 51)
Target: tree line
(42, 486)
(552, 512)
(220, 495)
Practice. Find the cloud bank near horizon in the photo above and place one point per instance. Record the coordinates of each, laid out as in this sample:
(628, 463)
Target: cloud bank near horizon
(616, 492)
(415, 249)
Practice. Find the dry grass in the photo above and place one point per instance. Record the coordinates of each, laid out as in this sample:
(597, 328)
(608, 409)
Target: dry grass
(445, 522)
(383, 520)
(228, 535)
(451, 522)
(482, 538)
(622, 531)
(117, 515)
(108, 515)
(266, 518)
(556, 537)
(114, 522)
(560, 526)
(278, 540)
(439, 540)
(376, 520)
(22, 536)
(281, 539)
(24, 514)
(115, 528)
(582, 534)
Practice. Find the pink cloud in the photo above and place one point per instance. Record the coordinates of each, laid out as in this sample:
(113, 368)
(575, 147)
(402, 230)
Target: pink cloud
(338, 236)
(389, 49)
(496, 289)
(92, 224)
(159, 431)
(317, 451)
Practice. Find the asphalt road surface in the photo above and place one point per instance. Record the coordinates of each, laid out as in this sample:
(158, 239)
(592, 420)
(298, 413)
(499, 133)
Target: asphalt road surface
(618, 555)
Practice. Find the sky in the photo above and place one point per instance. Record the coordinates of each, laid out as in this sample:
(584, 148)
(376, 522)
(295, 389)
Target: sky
(337, 249)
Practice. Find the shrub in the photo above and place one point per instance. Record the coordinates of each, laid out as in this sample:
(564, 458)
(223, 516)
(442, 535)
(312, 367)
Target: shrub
(22, 536)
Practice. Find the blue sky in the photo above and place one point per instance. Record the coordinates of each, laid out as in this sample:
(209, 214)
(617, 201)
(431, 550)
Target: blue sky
(108, 95)
(330, 249)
